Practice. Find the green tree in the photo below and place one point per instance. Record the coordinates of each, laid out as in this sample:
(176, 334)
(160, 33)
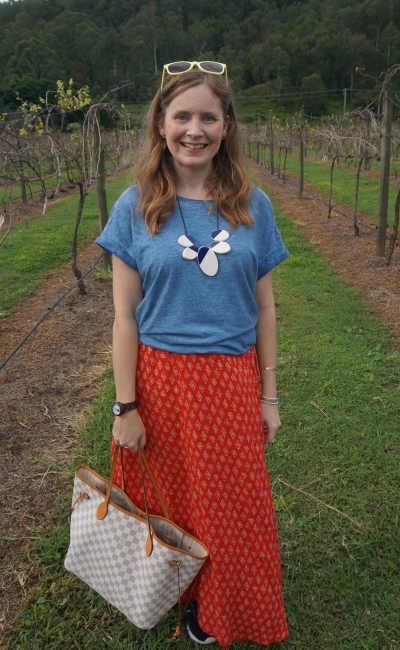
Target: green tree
(279, 66)
(390, 45)
(101, 42)
(357, 51)
(152, 24)
(35, 58)
(199, 38)
(313, 91)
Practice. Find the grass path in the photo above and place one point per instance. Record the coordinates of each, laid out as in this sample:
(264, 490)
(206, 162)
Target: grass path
(339, 384)
(39, 245)
(344, 183)
(349, 164)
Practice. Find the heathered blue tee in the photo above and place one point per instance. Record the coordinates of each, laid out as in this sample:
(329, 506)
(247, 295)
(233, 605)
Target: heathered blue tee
(183, 310)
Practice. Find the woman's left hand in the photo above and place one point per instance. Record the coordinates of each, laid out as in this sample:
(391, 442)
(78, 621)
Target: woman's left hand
(271, 421)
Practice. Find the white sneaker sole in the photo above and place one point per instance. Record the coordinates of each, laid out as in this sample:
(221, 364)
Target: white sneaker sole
(210, 639)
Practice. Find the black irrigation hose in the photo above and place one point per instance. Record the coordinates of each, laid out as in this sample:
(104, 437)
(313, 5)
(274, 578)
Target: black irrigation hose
(49, 310)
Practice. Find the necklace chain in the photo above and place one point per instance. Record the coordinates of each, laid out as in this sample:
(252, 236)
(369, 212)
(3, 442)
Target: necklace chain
(183, 220)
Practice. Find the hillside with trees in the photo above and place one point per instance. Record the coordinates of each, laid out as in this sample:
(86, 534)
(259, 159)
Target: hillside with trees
(304, 49)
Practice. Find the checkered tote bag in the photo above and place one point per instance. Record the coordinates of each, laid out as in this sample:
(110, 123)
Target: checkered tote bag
(139, 563)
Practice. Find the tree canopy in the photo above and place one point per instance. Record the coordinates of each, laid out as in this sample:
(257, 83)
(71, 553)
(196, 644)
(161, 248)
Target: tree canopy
(304, 46)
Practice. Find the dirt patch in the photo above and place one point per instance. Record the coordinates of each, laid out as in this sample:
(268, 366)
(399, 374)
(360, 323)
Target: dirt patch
(354, 257)
(45, 389)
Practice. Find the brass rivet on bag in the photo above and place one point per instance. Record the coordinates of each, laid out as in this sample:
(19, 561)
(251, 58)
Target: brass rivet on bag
(175, 564)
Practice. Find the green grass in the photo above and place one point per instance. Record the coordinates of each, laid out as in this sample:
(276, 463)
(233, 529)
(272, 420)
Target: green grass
(344, 183)
(35, 248)
(256, 109)
(339, 384)
(350, 163)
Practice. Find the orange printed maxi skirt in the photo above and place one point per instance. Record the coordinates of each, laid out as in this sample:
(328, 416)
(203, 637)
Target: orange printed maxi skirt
(205, 446)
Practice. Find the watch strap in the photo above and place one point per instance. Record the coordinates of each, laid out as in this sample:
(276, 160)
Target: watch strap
(129, 406)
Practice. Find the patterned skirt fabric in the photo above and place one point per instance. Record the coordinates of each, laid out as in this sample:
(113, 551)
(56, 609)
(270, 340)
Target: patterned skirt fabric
(205, 446)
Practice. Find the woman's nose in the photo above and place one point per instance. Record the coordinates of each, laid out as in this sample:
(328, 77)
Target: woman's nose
(194, 128)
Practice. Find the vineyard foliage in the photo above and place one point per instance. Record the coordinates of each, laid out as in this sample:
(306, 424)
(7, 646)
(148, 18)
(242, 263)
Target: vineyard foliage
(355, 136)
(42, 150)
(355, 139)
(309, 49)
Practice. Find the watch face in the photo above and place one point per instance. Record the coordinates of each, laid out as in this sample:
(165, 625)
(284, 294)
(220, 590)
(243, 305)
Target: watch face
(116, 409)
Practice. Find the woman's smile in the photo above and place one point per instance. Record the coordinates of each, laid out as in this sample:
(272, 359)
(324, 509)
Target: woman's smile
(191, 145)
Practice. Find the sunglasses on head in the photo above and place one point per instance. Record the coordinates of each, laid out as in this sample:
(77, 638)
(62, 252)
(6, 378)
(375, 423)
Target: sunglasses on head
(209, 67)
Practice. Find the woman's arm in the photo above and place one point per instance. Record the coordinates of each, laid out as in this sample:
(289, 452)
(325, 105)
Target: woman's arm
(266, 353)
(128, 429)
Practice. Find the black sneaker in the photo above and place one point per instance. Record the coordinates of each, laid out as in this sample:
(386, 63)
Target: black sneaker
(194, 630)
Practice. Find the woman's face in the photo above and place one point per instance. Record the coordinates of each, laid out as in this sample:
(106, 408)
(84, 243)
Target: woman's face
(194, 125)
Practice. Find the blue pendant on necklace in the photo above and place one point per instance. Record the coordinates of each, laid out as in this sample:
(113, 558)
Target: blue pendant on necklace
(220, 247)
(190, 253)
(220, 235)
(206, 255)
(208, 261)
(186, 240)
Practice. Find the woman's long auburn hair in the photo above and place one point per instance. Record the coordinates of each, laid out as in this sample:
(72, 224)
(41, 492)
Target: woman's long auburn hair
(228, 184)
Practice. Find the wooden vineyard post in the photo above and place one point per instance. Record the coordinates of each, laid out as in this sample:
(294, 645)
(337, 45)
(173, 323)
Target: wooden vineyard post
(271, 144)
(330, 206)
(20, 164)
(117, 143)
(301, 160)
(366, 155)
(98, 155)
(75, 269)
(355, 220)
(386, 137)
(393, 238)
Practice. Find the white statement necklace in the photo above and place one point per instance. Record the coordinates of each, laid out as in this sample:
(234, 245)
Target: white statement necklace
(205, 255)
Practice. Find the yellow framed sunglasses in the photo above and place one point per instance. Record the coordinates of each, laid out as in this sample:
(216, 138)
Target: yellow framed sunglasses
(179, 67)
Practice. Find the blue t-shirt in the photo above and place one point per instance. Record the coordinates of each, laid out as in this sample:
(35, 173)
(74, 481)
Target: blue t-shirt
(183, 310)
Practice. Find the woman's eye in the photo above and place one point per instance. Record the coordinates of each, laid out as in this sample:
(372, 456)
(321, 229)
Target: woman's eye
(181, 118)
(209, 118)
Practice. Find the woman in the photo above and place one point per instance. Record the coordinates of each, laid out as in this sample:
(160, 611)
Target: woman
(193, 246)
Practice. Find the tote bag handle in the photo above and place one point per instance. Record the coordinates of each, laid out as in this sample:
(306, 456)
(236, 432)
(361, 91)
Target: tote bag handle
(103, 507)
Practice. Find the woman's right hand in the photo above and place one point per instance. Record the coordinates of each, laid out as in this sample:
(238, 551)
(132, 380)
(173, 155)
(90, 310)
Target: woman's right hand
(129, 431)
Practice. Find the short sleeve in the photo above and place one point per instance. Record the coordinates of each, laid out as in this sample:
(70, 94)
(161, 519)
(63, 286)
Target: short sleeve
(117, 237)
(271, 250)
